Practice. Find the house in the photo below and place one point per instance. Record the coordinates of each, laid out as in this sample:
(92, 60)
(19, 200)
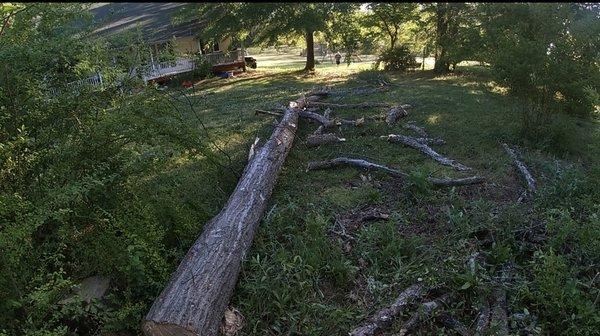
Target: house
(155, 22)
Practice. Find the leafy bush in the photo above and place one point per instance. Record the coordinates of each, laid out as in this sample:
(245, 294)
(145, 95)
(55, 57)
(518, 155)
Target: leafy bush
(399, 58)
(551, 63)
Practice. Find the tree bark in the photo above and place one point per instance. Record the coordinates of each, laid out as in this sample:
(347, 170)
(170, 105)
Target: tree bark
(195, 299)
(441, 63)
(310, 50)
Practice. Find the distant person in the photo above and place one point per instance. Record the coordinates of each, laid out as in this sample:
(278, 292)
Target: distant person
(338, 58)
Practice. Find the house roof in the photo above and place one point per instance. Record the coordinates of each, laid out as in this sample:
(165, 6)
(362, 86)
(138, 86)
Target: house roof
(153, 19)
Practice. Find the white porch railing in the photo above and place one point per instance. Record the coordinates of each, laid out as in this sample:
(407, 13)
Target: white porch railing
(156, 70)
(220, 57)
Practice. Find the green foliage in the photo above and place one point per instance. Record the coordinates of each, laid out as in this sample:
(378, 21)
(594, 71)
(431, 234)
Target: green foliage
(397, 59)
(390, 19)
(558, 70)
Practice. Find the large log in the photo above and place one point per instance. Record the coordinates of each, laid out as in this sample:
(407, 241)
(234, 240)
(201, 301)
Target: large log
(359, 163)
(425, 149)
(195, 299)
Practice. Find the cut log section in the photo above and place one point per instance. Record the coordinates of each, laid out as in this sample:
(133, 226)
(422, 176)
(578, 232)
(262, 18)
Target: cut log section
(419, 130)
(385, 317)
(425, 149)
(359, 163)
(394, 114)
(316, 140)
(522, 168)
(194, 301)
(425, 311)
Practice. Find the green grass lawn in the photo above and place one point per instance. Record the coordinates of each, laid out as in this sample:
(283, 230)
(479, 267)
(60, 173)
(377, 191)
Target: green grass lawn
(300, 279)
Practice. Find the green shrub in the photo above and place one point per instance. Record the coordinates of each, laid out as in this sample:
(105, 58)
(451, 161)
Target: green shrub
(399, 59)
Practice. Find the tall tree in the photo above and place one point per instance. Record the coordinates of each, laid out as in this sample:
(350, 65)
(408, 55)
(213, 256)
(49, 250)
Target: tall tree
(269, 21)
(456, 32)
(390, 17)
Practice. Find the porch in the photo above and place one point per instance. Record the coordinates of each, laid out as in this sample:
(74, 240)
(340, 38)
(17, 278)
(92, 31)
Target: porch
(220, 61)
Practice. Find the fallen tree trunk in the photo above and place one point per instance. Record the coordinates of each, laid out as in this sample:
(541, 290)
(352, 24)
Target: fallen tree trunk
(425, 149)
(385, 317)
(359, 163)
(522, 169)
(316, 140)
(195, 299)
(394, 114)
(424, 312)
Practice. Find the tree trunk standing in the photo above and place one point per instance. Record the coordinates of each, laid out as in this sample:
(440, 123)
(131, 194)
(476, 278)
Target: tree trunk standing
(441, 62)
(392, 41)
(195, 299)
(310, 50)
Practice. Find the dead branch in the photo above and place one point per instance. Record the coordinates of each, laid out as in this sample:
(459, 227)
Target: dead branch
(433, 141)
(276, 114)
(394, 114)
(419, 130)
(424, 312)
(359, 163)
(326, 122)
(385, 317)
(522, 168)
(316, 140)
(425, 149)
(357, 122)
